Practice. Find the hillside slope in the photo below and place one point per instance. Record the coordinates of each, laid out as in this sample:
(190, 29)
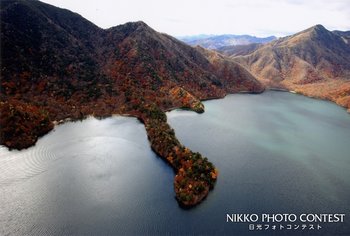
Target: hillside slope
(56, 59)
(314, 62)
(56, 65)
(238, 50)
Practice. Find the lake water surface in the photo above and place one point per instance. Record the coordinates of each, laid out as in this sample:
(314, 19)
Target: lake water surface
(276, 153)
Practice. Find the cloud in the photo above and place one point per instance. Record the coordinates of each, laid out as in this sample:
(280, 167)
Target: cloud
(184, 17)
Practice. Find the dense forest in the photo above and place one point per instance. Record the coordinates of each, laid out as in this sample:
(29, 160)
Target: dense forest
(56, 65)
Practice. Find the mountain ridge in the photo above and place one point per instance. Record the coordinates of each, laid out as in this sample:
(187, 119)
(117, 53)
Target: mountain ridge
(314, 62)
(56, 65)
(238, 50)
(218, 41)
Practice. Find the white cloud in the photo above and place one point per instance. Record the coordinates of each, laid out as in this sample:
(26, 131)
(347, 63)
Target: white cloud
(188, 17)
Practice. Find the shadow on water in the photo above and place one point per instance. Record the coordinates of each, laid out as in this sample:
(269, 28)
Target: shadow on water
(276, 153)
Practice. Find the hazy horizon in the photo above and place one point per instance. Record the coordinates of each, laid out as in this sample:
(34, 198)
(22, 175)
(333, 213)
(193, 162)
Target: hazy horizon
(259, 18)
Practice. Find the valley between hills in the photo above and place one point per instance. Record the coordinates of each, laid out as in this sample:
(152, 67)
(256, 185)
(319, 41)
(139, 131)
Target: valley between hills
(56, 65)
(314, 62)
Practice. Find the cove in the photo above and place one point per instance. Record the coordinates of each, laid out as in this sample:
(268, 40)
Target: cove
(276, 152)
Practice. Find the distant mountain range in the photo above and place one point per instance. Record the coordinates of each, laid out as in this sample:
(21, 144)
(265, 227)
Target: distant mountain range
(314, 62)
(219, 41)
(239, 50)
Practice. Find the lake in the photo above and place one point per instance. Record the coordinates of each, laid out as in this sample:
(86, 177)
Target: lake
(276, 153)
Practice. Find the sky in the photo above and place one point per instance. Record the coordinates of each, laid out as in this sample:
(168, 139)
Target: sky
(191, 17)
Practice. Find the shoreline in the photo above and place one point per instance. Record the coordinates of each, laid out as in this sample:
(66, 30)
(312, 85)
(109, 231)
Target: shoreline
(63, 121)
(190, 189)
(126, 114)
(347, 109)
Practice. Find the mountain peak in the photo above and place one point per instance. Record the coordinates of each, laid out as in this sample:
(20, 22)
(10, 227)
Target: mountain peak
(137, 24)
(52, 52)
(318, 28)
(140, 23)
(311, 62)
(129, 27)
(316, 32)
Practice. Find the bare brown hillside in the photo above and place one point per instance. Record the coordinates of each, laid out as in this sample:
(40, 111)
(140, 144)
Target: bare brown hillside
(314, 62)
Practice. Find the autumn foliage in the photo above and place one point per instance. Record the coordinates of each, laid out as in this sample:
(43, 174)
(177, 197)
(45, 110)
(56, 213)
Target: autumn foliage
(195, 175)
(21, 124)
(314, 62)
(56, 65)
